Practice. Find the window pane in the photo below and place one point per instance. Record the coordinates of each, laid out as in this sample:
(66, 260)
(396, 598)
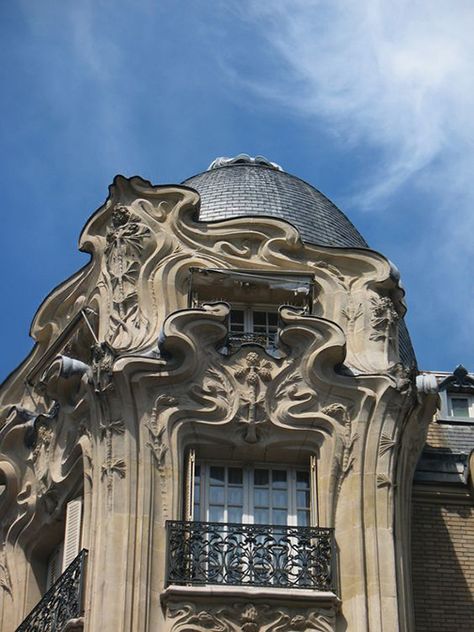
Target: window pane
(302, 499)
(261, 497)
(273, 320)
(235, 496)
(260, 477)
(216, 495)
(279, 516)
(280, 498)
(259, 318)
(216, 514)
(217, 474)
(279, 478)
(302, 480)
(460, 406)
(235, 514)
(235, 476)
(261, 516)
(303, 518)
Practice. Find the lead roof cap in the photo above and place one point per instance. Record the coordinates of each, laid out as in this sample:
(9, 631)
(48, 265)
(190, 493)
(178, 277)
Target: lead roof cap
(246, 186)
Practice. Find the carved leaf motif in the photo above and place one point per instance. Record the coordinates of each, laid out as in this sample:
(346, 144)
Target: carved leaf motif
(383, 480)
(116, 466)
(250, 618)
(386, 443)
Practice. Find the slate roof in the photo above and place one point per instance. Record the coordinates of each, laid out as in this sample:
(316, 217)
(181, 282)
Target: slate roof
(444, 459)
(240, 190)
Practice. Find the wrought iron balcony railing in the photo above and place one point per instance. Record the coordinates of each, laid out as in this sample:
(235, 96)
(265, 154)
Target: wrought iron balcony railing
(61, 603)
(237, 340)
(250, 555)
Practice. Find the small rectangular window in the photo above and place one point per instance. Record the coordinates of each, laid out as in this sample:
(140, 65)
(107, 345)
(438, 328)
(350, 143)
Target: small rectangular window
(461, 406)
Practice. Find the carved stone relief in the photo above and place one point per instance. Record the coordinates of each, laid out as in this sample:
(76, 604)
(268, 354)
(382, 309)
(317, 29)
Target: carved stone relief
(249, 617)
(254, 373)
(125, 242)
(5, 578)
(384, 320)
(158, 443)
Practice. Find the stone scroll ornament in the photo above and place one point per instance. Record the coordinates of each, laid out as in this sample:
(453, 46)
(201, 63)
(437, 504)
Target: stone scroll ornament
(249, 617)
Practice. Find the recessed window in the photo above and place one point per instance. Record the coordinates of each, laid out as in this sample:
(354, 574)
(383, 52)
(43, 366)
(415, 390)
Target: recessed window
(252, 494)
(249, 324)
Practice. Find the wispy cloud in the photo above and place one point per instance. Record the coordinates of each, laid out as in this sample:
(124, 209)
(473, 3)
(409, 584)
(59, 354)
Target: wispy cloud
(396, 75)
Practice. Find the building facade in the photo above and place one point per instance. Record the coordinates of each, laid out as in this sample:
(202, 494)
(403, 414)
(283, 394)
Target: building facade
(219, 424)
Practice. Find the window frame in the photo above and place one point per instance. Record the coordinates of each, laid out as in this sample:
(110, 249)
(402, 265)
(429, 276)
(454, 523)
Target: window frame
(248, 505)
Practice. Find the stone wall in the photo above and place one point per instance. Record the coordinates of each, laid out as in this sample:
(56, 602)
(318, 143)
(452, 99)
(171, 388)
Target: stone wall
(443, 565)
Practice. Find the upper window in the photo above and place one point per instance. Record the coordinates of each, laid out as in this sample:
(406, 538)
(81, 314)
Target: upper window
(461, 406)
(248, 324)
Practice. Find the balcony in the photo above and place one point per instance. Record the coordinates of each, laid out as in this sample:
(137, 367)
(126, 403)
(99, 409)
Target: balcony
(206, 553)
(62, 603)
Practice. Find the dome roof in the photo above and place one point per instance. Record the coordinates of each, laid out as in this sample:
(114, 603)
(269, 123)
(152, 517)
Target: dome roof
(243, 186)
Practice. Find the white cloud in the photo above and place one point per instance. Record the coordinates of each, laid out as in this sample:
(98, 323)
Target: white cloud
(396, 75)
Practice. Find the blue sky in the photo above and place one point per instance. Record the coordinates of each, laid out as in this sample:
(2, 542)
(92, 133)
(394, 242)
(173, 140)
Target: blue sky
(370, 101)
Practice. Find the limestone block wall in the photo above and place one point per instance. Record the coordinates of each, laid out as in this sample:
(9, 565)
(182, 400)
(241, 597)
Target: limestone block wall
(443, 565)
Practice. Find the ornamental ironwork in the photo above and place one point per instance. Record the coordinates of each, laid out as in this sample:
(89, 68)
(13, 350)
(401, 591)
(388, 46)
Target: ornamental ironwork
(61, 603)
(265, 340)
(250, 555)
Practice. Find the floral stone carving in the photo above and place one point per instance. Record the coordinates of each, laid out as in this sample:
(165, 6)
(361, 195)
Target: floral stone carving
(248, 617)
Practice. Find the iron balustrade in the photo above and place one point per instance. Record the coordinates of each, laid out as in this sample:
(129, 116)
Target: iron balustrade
(62, 602)
(265, 340)
(201, 553)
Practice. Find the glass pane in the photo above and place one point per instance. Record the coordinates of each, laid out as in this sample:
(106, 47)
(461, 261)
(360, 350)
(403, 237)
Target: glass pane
(260, 477)
(216, 495)
(302, 499)
(460, 406)
(302, 480)
(279, 478)
(235, 496)
(303, 518)
(280, 498)
(235, 476)
(279, 516)
(217, 474)
(197, 511)
(237, 321)
(261, 516)
(216, 514)
(259, 318)
(197, 492)
(235, 514)
(273, 320)
(261, 497)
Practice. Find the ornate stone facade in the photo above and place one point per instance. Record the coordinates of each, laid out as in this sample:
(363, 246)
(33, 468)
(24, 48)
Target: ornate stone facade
(127, 375)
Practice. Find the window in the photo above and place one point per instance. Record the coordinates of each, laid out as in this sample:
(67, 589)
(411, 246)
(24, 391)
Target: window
(68, 549)
(247, 324)
(252, 494)
(250, 524)
(461, 406)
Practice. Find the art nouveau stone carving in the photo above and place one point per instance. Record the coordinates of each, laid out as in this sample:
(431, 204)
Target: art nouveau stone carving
(150, 377)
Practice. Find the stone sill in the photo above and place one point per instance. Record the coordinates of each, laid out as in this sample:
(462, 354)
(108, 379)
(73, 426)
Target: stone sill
(293, 596)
